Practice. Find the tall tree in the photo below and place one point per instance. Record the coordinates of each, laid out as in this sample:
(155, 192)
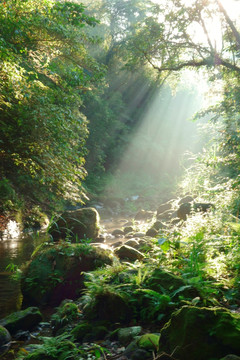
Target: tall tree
(44, 69)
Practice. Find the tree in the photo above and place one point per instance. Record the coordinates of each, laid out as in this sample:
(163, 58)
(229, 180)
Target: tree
(45, 68)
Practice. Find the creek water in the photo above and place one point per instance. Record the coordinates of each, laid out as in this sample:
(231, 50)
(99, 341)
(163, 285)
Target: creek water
(15, 248)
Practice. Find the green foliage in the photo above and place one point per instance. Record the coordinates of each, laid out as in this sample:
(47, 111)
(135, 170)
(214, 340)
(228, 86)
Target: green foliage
(44, 67)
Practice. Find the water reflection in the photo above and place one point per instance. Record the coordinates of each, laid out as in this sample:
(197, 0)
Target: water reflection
(15, 248)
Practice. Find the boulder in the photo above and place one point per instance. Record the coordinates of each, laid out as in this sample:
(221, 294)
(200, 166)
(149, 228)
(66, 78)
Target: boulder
(5, 336)
(186, 199)
(22, 320)
(126, 335)
(108, 306)
(158, 225)
(151, 232)
(172, 284)
(202, 207)
(118, 232)
(133, 243)
(184, 210)
(164, 207)
(201, 333)
(55, 272)
(128, 229)
(144, 215)
(166, 215)
(81, 223)
(126, 252)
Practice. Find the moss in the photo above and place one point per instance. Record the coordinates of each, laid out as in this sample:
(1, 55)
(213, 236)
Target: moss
(55, 272)
(149, 342)
(215, 331)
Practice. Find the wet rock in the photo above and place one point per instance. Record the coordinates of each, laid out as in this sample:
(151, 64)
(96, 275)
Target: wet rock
(22, 320)
(186, 199)
(159, 225)
(117, 232)
(152, 232)
(184, 210)
(216, 331)
(166, 215)
(144, 215)
(55, 272)
(83, 223)
(133, 243)
(128, 229)
(128, 253)
(164, 207)
(116, 244)
(22, 335)
(202, 207)
(126, 335)
(139, 234)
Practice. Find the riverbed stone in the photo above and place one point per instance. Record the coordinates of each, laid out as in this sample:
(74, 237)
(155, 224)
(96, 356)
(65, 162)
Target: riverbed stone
(201, 333)
(77, 224)
(22, 320)
(126, 335)
(164, 207)
(55, 272)
(126, 252)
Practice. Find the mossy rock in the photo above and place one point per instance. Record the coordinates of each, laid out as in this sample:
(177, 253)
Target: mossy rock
(81, 223)
(55, 272)
(5, 336)
(125, 335)
(22, 320)
(149, 342)
(126, 252)
(201, 333)
(172, 284)
(110, 307)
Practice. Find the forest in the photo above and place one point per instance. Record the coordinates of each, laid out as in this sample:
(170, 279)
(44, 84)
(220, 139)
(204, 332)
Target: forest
(120, 168)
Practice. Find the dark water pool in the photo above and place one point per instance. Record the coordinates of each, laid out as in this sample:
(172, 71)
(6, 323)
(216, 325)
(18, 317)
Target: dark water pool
(15, 248)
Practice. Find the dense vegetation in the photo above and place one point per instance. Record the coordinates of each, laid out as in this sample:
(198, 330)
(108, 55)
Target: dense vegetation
(76, 83)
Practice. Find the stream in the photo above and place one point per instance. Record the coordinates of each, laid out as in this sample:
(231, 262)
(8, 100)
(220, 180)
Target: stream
(15, 248)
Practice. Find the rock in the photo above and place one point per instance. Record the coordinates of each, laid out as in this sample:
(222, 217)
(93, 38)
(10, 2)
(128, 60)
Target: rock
(109, 307)
(152, 232)
(22, 320)
(86, 332)
(159, 225)
(83, 223)
(202, 207)
(140, 354)
(231, 357)
(166, 215)
(116, 244)
(144, 215)
(126, 335)
(139, 234)
(216, 331)
(161, 279)
(164, 207)
(55, 272)
(186, 199)
(184, 210)
(5, 336)
(149, 342)
(128, 229)
(175, 221)
(125, 252)
(117, 232)
(133, 243)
